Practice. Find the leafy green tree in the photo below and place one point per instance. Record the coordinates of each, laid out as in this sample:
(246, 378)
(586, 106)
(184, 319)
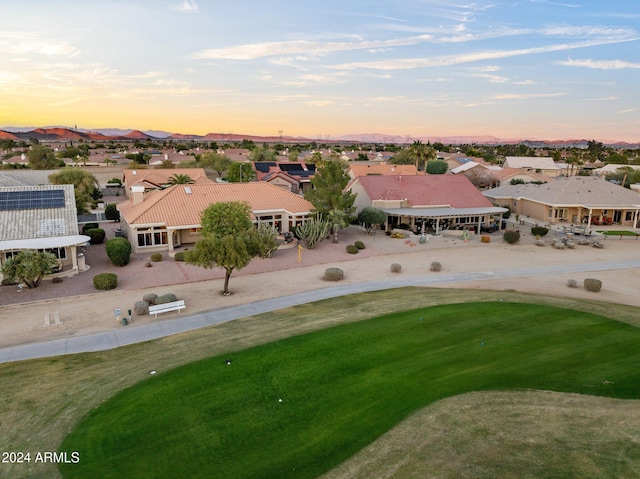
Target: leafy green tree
(42, 158)
(240, 173)
(437, 167)
(229, 239)
(328, 192)
(7, 144)
(119, 251)
(263, 154)
(180, 179)
(370, 217)
(84, 184)
(215, 161)
(29, 267)
(111, 212)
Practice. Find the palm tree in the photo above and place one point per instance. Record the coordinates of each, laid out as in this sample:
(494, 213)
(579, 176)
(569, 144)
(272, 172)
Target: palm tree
(180, 179)
(421, 153)
(337, 219)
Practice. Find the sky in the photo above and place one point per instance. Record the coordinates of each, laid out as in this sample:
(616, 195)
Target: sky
(527, 69)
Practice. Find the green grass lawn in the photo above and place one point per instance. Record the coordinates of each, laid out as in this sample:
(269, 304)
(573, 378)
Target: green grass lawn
(299, 406)
(618, 233)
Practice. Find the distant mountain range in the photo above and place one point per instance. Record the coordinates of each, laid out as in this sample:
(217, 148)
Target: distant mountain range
(61, 133)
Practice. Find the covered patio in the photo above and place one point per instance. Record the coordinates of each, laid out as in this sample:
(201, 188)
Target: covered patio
(436, 219)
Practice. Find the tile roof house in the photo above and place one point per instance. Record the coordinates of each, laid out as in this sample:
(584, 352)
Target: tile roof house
(25, 177)
(538, 164)
(292, 176)
(575, 199)
(506, 175)
(158, 178)
(435, 201)
(165, 219)
(365, 168)
(42, 218)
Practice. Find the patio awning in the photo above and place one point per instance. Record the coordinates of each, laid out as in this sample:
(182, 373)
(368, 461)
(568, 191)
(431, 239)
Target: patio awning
(44, 243)
(444, 212)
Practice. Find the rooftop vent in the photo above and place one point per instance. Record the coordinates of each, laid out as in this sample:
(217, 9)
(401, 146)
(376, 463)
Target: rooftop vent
(187, 190)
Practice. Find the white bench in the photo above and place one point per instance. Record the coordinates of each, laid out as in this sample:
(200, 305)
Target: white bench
(166, 307)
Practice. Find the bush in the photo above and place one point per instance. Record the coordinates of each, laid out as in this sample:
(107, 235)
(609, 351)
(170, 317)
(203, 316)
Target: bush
(111, 212)
(511, 236)
(398, 235)
(435, 266)
(352, 249)
(485, 239)
(150, 298)
(89, 226)
(396, 267)
(141, 308)
(593, 285)
(119, 251)
(333, 274)
(96, 235)
(166, 298)
(105, 281)
(359, 245)
(179, 256)
(539, 230)
(156, 257)
(572, 283)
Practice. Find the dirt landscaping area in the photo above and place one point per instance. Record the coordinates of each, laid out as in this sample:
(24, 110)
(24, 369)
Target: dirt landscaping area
(84, 311)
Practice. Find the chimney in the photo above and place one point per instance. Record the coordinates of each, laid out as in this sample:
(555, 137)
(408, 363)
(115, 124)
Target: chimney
(137, 194)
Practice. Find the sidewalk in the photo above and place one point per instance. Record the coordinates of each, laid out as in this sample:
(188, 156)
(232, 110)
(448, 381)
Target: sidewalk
(157, 329)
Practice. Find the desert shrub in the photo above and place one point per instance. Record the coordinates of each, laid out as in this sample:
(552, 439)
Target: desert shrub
(111, 212)
(89, 226)
(96, 235)
(511, 236)
(333, 274)
(572, 283)
(166, 298)
(485, 239)
(150, 298)
(179, 256)
(156, 257)
(119, 251)
(435, 266)
(539, 230)
(141, 308)
(593, 285)
(105, 281)
(352, 249)
(398, 235)
(396, 267)
(359, 245)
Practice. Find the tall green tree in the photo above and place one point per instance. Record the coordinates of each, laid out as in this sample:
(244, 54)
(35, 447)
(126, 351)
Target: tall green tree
(238, 172)
(84, 184)
(29, 267)
(328, 188)
(42, 158)
(229, 239)
(215, 161)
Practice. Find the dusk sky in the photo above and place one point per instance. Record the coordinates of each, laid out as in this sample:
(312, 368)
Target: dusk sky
(539, 69)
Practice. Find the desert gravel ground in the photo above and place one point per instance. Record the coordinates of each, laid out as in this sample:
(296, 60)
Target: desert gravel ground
(84, 311)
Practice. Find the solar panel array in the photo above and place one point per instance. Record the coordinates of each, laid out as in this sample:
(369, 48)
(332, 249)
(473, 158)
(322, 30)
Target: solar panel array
(263, 166)
(31, 199)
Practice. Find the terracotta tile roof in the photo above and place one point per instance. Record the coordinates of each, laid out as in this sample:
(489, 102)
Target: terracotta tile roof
(362, 169)
(175, 206)
(158, 177)
(425, 190)
(506, 173)
(534, 162)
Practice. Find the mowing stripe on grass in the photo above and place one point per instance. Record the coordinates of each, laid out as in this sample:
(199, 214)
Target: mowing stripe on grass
(299, 406)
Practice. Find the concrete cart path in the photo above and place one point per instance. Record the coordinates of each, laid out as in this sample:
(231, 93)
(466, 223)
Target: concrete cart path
(136, 334)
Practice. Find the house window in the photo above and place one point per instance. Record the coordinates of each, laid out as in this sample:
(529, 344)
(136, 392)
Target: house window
(628, 216)
(561, 213)
(60, 253)
(155, 237)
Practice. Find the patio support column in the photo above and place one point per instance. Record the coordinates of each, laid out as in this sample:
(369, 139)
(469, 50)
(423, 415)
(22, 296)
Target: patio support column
(170, 239)
(589, 220)
(74, 258)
